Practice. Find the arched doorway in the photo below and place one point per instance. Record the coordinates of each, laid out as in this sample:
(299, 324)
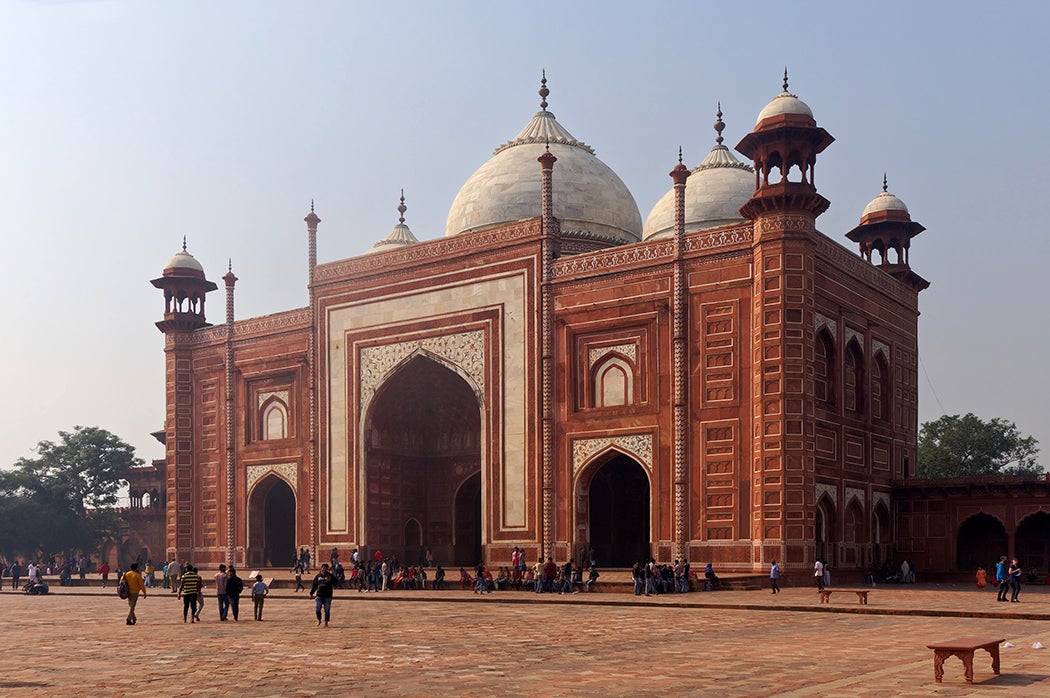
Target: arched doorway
(618, 512)
(825, 532)
(423, 461)
(981, 541)
(1032, 544)
(271, 524)
(468, 522)
(854, 535)
(880, 535)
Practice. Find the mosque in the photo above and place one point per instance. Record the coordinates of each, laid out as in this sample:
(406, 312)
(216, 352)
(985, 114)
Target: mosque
(721, 383)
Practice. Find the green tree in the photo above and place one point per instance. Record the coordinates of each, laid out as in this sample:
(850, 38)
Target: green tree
(955, 446)
(62, 499)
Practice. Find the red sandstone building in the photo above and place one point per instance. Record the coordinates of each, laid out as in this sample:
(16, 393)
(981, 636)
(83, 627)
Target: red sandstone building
(723, 383)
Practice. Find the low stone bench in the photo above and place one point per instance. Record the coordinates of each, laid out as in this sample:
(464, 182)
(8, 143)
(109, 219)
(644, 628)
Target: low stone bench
(862, 595)
(963, 648)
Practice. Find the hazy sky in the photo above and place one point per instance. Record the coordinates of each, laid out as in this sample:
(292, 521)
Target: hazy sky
(125, 125)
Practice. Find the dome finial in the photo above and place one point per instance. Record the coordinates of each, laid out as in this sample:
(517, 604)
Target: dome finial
(719, 125)
(311, 205)
(679, 155)
(543, 90)
(785, 79)
(401, 208)
(883, 181)
(183, 243)
(229, 265)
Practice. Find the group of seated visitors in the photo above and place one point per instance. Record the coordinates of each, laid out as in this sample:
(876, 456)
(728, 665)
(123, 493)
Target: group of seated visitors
(652, 578)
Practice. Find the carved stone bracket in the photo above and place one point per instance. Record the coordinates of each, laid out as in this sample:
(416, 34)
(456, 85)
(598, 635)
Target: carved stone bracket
(830, 490)
(288, 471)
(464, 351)
(640, 446)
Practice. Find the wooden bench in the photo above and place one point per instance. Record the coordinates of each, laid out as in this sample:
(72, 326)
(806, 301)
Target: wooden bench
(963, 648)
(862, 595)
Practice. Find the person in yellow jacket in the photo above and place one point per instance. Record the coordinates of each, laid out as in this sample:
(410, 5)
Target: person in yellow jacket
(135, 587)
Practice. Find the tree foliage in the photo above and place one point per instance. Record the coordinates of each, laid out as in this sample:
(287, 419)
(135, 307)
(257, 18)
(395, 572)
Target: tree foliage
(955, 446)
(62, 499)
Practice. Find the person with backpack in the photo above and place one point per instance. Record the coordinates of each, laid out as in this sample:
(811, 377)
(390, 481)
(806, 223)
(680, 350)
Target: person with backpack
(133, 584)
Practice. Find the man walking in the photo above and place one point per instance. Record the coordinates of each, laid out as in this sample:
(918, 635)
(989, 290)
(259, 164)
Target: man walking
(1002, 579)
(321, 593)
(220, 593)
(774, 577)
(173, 575)
(136, 586)
(188, 590)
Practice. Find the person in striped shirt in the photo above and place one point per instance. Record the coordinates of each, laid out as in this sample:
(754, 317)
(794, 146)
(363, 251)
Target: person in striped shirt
(190, 587)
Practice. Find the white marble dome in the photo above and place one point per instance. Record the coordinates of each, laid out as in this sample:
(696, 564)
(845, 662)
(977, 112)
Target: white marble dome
(714, 193)
(183, 264)
(784, 103)
(884, 202)
(590, 200)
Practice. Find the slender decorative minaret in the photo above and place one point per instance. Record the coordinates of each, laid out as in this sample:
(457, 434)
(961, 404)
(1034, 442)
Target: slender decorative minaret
(312, 220)
(184, 285)
(679, 323)
(786, 141)
(231, 421)
(548, 251)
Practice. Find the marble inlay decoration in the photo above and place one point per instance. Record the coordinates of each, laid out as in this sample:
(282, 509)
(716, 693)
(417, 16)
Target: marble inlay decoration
(596, 353)
(824, 321)
(855, 493)
(830, 490)
(640, 446)
(287, 471)
(465, 350)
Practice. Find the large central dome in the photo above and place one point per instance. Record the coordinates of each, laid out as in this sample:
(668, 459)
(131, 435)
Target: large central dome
(590, 200)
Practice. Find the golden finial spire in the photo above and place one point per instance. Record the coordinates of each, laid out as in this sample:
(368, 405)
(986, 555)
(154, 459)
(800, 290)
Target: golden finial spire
(401, 208)
(719, 125)
(543, 90)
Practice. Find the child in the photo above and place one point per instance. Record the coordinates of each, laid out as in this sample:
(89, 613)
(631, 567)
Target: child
(259, 592)
(982, 577)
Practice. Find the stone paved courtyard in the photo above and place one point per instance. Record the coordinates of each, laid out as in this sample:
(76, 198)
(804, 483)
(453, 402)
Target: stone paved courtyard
(455, 643)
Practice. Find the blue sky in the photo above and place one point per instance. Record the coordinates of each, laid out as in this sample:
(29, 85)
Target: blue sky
(126, 125)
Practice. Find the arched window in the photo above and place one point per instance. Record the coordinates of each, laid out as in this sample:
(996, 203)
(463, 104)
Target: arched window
(881, 395)
(824, 370)
(853, 378)
(274, 420)
(613, 383)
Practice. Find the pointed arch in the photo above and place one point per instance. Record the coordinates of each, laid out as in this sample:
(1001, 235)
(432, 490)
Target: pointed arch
(422, 441)
(825, 377)
(1032, 541)
(825, 530)
(613, 378)
(273, 419)
(980, 541)
(613, 508)
(853, 378)
(881, 391)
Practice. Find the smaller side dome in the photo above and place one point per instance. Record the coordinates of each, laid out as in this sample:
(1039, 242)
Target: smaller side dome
(885, 206)
(785, 103)
(400, 236)
(714, 193)
(184, 264)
